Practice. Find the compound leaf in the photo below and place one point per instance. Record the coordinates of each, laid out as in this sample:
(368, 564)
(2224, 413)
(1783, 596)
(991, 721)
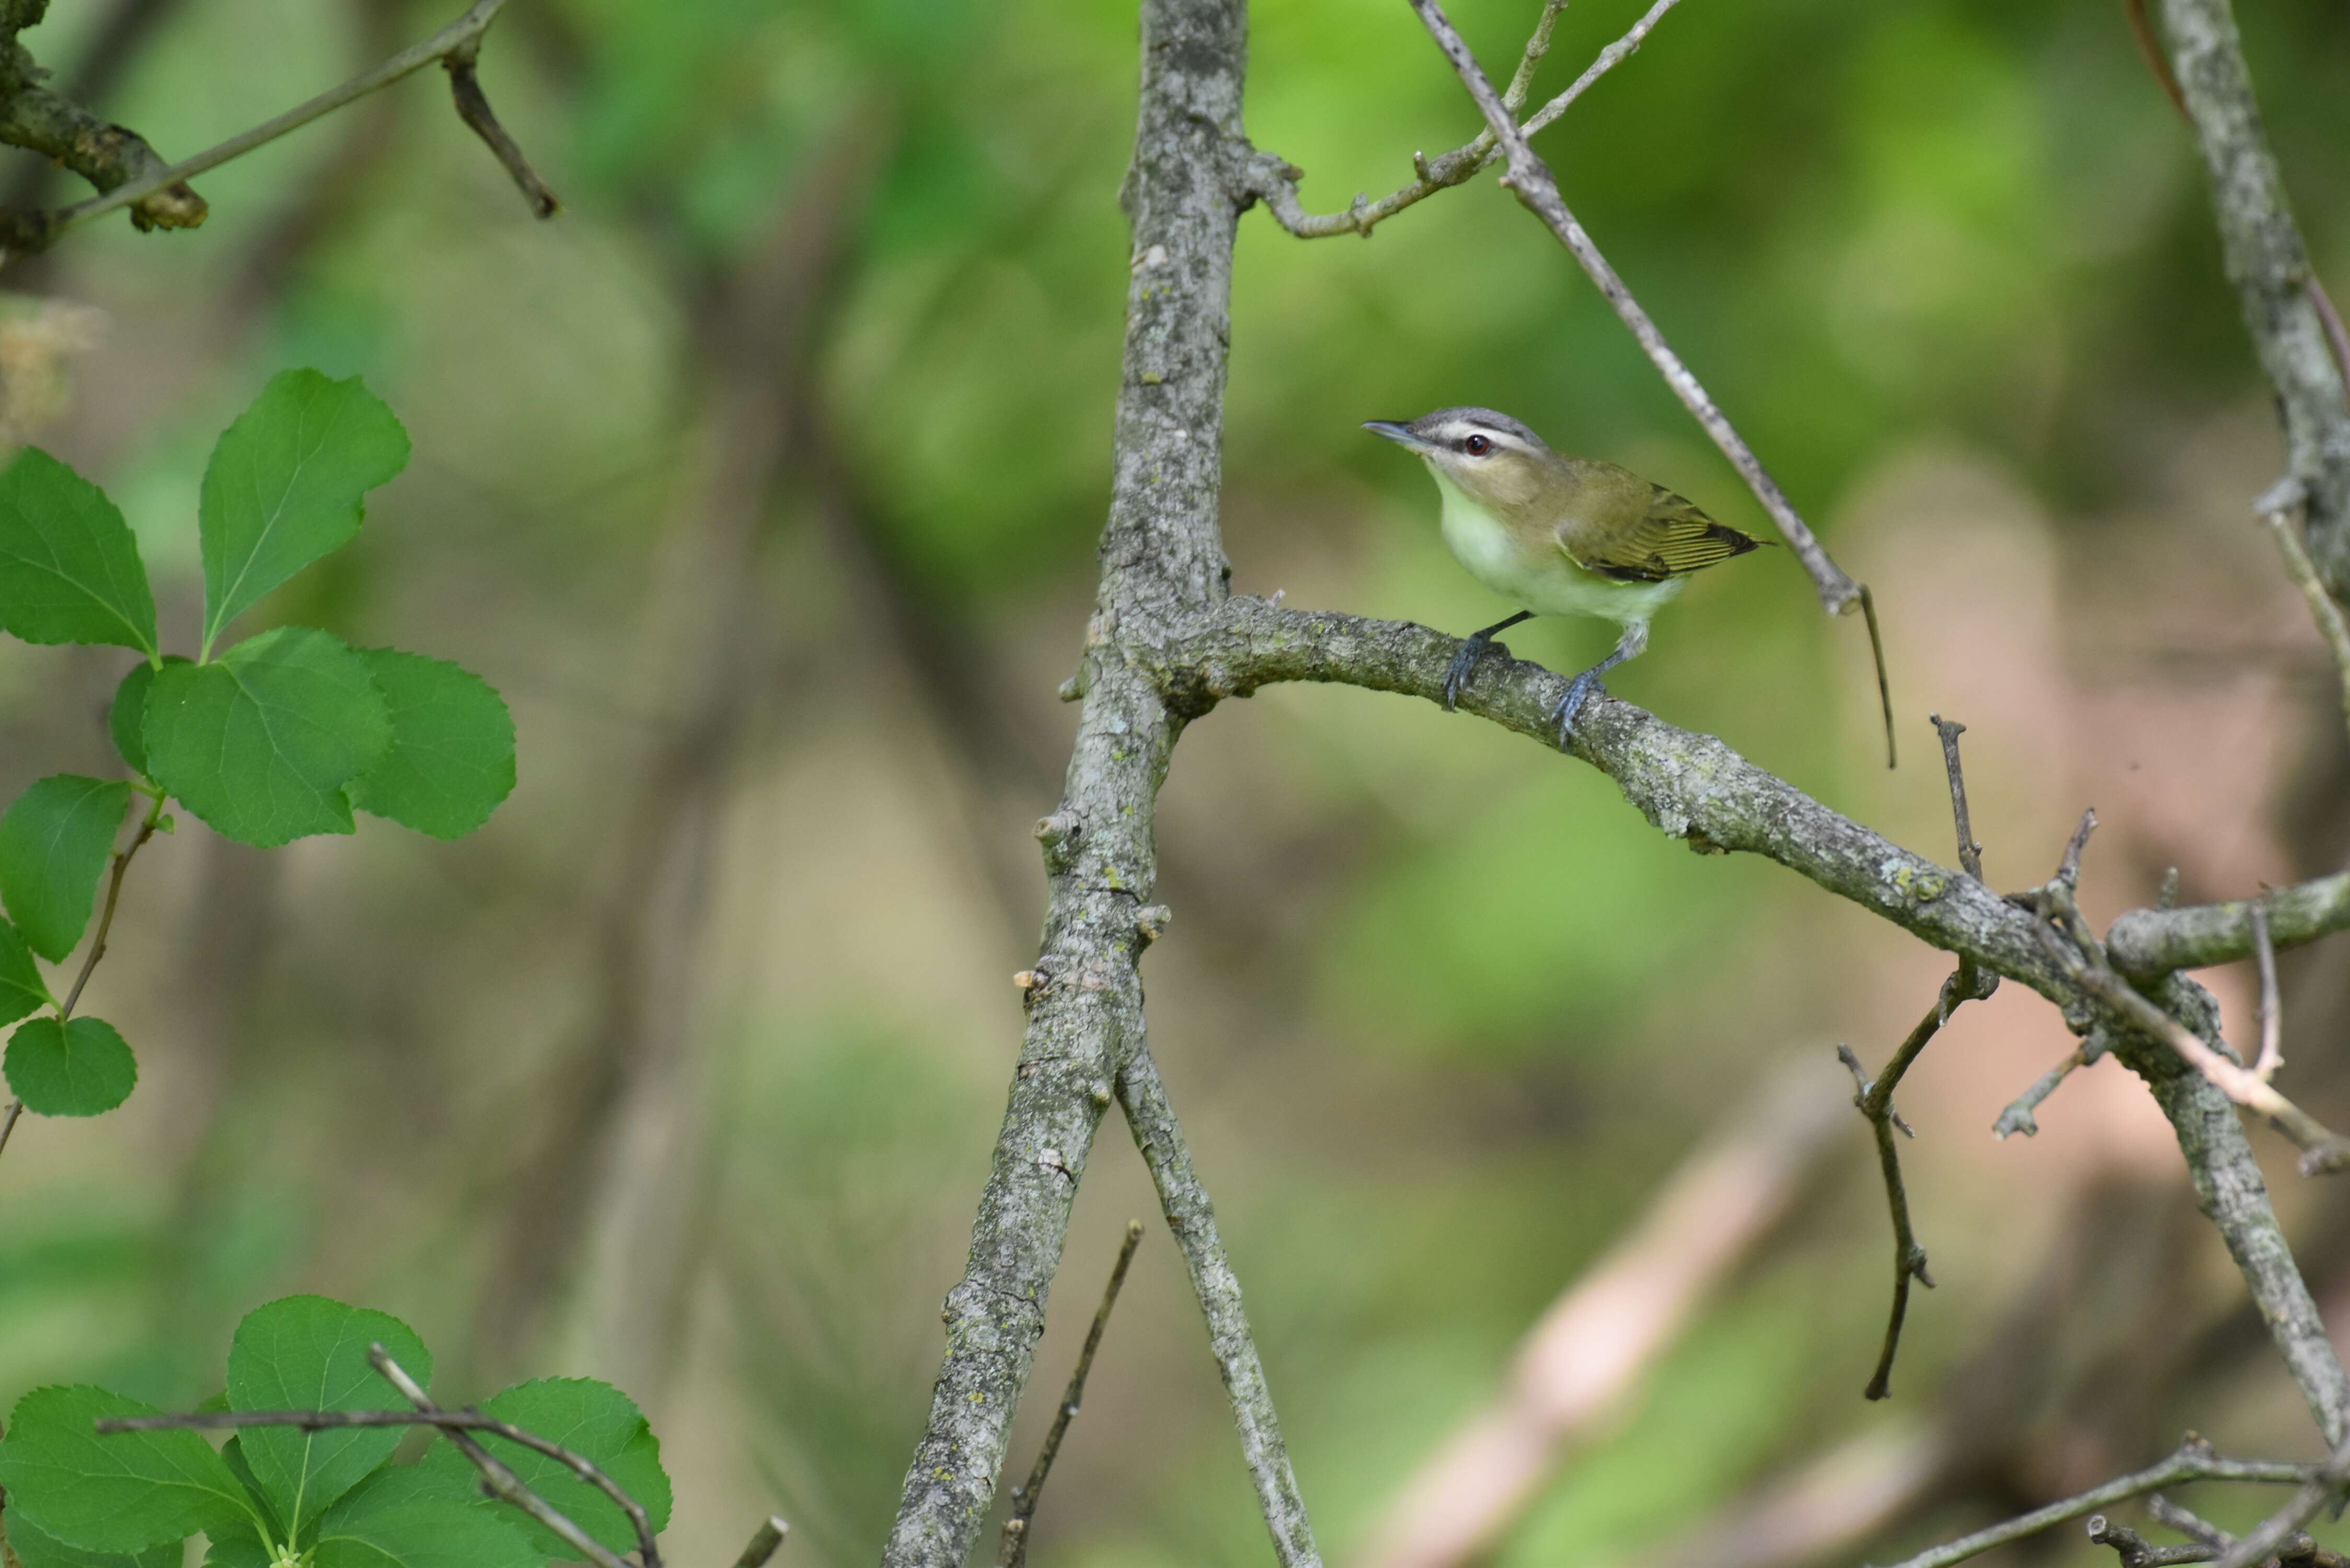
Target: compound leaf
(120, 1493)
(54, 843)
(79, 1068)
(70, 569)
(307, 1352)
(286, 484)
(452, 758)
(592, 1420)
(260, 741)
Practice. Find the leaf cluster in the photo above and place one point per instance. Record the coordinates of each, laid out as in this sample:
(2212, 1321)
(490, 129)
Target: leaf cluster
(280, 1497)
(273, 738)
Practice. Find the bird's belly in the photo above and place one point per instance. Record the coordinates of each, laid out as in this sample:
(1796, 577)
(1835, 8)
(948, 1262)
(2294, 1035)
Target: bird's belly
(1544, 580)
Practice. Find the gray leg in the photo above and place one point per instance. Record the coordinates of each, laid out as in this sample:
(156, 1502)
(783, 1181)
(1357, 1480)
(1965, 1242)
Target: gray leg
(1579, 691)
(1464, 663)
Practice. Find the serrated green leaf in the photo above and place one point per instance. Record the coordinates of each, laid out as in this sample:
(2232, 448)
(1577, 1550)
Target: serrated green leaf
(54, 844)
(593, 1419)
(122, 1492)
(21, 986)
(286, 484)
(260, 742)
(452, 758)
(81, 1068)
(238, 1549)
(36, 1548)
(414, 1517)
(307, 1352)
(70, 569)
(126, 720)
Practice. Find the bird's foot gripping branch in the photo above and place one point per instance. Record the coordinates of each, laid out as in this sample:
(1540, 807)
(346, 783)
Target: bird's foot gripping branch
(265, 740)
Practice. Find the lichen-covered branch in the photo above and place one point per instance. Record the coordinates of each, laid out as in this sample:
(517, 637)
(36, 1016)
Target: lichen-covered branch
(1162, 560)
(2146, 943)
(2269, 264)
(1694, 788)
(107, 155)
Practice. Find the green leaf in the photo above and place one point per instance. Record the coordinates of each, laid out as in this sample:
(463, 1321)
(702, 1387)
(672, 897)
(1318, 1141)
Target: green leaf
(415, 1518)
(127, 719)
(238, 1549)
(593, 1419)
(286, 484)
(70, 570)
(54, 843)
(260, 741)
(21, 986)
(77, 1069)
(307, 1352)
(452, 758)
(36, 1548)
(123, 1493)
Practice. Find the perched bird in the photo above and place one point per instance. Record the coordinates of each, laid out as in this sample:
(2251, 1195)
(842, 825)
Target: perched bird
(1559, 535)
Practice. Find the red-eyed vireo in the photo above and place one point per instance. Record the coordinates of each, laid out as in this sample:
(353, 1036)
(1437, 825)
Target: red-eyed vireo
(1559, 535)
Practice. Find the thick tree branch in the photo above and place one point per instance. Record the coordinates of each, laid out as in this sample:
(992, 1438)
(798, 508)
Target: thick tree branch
(1162, 560)
(1695, 789)
(2146, 944)
(2269, 264)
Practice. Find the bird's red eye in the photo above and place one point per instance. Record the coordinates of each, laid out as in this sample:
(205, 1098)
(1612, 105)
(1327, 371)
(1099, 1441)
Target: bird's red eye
(1476, 446)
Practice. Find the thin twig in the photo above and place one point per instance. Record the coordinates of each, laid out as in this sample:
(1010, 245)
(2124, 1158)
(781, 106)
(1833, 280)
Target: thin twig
(2272, 1013)
(2068, 869)
(505, 1485)
(1532, 182)
(1277, 182)
(106, 916)
(473, 109)
(2142, 31)
(2017, 1117)
(2323, 1487)
(1014, 1551)
(8, 1122)
(1192, 1219)
(466, 30)
(1884, 684)
(763, 1541)
(2194, 1460)
(2329, 319)
(2188, 1522)
(1874, 1101)
(2136, 1551)
(1970, 852)
(2284, 525)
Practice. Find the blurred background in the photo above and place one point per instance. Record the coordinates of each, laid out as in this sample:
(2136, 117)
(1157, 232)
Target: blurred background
(763, 483)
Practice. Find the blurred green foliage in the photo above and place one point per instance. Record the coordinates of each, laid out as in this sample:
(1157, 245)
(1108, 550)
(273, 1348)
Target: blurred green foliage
(1458, 1012)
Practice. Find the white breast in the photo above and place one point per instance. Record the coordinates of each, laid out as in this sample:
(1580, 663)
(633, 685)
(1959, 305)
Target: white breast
(1549, 584)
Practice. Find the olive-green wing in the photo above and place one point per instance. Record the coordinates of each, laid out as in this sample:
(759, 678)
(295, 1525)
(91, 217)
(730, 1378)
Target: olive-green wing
(1673, 538)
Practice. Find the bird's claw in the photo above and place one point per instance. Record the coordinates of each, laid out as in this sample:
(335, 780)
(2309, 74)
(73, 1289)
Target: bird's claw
(1579, 692)
(1464, 665)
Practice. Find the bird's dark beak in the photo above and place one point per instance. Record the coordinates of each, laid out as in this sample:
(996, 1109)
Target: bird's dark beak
(1398, 433)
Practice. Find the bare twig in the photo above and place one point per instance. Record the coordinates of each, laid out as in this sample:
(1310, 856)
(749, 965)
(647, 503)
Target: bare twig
(1970, 852)
(473, 109)
(2337, 337)
(2273, 1535)
(1193, 1221)
(502, 1483)
(1277, 182)
(2272, 1013)
(763, 1541)
(1589, 1351)
(2284, 526)
(2149, 46)
(113, 894)
(8, 1122)
(1530, 179)
(2135, 1551)
(2017, 1117)
(2194, 1460)
(2188, 1522)
(466, 31)
(2068, 869)
(1874, 1101)
(1014, 1551)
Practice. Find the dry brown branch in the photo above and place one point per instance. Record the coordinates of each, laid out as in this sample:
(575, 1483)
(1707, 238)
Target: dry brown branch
(2272, 1010)
(2278, 509)
(1589, 1351)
